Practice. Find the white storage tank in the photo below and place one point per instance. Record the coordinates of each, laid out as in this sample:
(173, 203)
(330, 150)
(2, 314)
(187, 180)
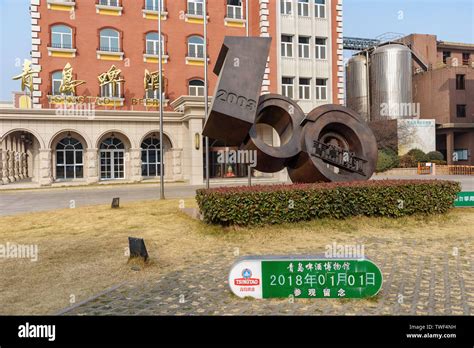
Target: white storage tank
(390, 82)
(357, 86)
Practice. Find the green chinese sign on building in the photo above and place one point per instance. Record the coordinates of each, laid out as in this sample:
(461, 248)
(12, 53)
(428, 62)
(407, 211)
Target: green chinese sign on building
(464, 199)
(305, 278)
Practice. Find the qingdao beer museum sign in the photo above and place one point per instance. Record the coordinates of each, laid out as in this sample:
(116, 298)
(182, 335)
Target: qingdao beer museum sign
(305, 277)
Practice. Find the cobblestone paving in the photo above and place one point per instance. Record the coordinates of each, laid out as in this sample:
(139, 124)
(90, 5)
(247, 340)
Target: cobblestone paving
(419, 279)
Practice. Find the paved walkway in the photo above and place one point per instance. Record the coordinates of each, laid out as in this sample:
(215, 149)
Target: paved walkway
(419, 279)
(24, 201)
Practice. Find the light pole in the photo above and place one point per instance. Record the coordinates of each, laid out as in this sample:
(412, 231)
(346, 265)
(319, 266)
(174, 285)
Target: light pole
(247, 33)
(206, 97)
(160, 79)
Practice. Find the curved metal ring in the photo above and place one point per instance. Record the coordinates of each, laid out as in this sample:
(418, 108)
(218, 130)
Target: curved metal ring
(285, 116)
(337, 145)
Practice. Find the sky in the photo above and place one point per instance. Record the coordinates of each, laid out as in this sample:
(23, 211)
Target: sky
(450, 20)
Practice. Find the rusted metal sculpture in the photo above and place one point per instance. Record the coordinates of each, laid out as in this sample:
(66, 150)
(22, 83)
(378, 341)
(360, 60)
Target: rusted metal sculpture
(240, 67)
(332, 143)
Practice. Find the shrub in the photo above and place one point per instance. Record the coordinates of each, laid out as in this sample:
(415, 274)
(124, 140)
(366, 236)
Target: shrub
(387, 159)
(407, 161)
(435, 156)
(384, 162)
(419, 155)
(276, 204)
(441, 163)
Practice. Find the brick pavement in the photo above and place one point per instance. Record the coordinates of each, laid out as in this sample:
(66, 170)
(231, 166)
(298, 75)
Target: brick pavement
(421, 277)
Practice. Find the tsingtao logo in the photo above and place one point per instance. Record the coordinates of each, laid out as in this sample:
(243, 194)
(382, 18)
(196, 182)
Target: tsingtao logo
(247, 279)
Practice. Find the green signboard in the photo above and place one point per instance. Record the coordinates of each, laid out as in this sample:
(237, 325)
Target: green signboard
(464, 199)
(305, 278)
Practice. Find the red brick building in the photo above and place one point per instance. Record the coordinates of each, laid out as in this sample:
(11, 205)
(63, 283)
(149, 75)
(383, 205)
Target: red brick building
(446, 93)
(93, 35)
(95, 97)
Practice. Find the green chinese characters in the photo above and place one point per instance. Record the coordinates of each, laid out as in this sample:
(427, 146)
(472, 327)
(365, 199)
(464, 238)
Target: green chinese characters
(323, 278)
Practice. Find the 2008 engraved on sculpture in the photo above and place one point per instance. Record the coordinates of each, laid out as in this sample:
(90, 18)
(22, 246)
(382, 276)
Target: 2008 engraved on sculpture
(232, 98)
(331, 143)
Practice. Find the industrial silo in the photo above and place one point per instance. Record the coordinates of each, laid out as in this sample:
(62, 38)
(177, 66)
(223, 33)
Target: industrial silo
(390, 82)
(357, 86)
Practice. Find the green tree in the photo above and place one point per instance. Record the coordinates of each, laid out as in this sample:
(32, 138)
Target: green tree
(419, 155)
(435, 156)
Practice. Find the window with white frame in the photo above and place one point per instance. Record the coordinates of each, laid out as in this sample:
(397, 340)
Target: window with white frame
(320, 52)
(234, 9)
(196, 88)
(287, 87)
(109, 40)
(195, 7)
(69, 159)
(61, 36)
(287, 46)
(196, 47)
(57, 79)
(320, 8)
(112, 3)
(321, 89)
(303, 46)
(153, 44)
(286, 7)
(154, 5)
(304, 88)
(303, 8)
(107, 90)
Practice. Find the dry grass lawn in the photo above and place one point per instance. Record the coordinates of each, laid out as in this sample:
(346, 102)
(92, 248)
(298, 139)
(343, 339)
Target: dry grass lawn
(82, 251)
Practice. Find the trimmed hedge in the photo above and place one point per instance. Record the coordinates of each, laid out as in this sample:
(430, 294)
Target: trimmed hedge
(276, 204)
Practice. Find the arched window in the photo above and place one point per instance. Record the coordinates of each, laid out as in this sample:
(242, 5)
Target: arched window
(196, 88)
(112, 144)
(151, 157)
(152, 43)
(61, 36)
(112, 159)
(154, 5)
(111, 83)
(69, 159)
(109, 40)
(195, 7)
(57, 78)
(196, 47)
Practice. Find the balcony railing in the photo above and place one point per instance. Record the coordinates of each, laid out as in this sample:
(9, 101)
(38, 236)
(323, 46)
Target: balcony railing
(61, 1)
(112, 3)
(109, 49)
(153, 7)
(153, 52)
(61, 45)
(234, 12)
